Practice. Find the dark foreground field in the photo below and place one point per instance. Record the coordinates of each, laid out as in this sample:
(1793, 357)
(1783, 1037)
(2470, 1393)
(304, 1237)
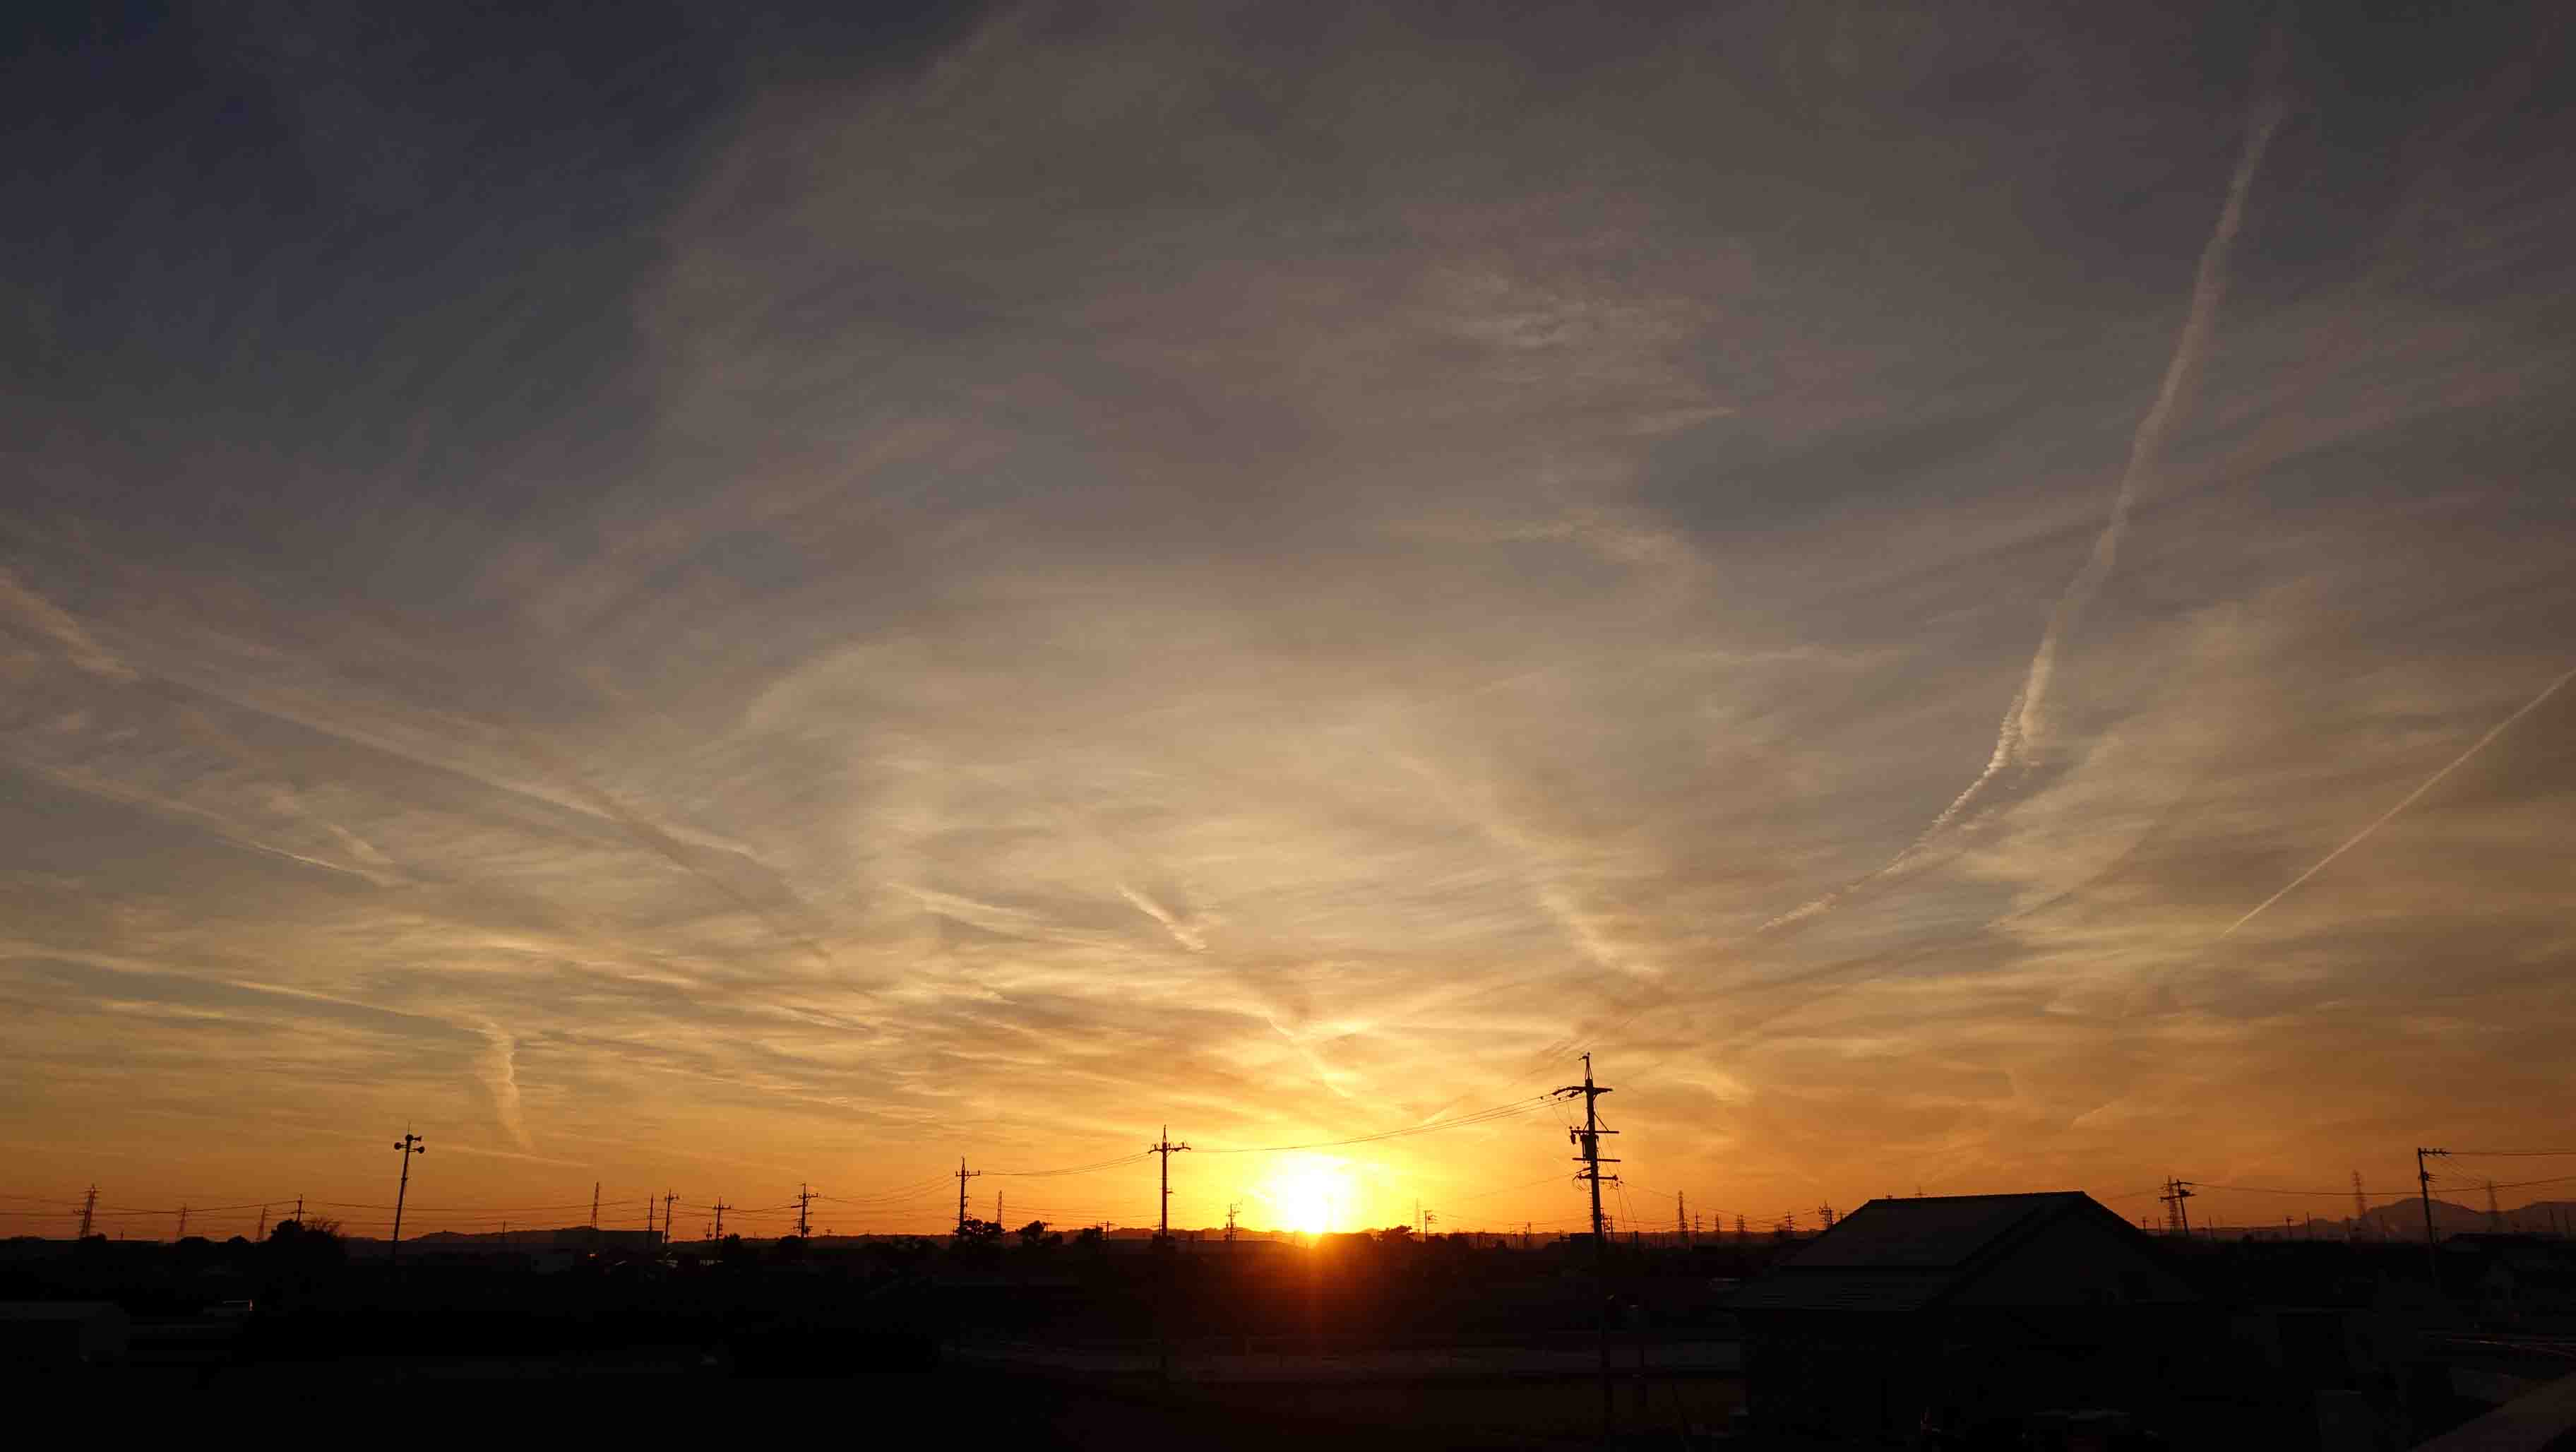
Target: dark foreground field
(676, 1394)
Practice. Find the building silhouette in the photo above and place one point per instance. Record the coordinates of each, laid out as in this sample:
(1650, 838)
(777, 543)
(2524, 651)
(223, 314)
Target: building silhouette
(1960, 1311)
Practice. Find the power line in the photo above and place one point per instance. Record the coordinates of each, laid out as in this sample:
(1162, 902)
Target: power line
(2265, 1189)
(1481, 1116)
(2504, 1184)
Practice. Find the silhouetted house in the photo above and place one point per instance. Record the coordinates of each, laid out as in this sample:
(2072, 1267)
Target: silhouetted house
(2509, 1279)
(52, 1334)
(1974, 1308)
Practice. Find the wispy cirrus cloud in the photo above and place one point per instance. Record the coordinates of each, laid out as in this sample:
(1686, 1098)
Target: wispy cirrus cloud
(1284, 576)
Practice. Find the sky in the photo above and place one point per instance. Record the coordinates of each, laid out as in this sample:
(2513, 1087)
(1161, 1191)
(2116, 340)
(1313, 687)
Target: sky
(712, 601)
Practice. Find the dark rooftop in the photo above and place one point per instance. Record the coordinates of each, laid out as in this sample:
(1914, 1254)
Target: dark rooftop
(1893, 1256)
(1926, 1231)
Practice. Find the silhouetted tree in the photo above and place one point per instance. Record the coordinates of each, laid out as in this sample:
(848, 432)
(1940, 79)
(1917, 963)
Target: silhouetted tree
(1035, 1236)
(306, 1243)
(906, 1252)
(1090, 1237)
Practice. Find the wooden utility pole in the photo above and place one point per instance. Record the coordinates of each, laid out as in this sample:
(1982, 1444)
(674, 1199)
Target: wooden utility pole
(2424, 1191)
(1166, 1149)
(1588, 1139)
(2177, 1214)
(963, 1175)
(407, 1146)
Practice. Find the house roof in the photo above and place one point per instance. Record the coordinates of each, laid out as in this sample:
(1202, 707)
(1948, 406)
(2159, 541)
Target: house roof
(1892, 1256)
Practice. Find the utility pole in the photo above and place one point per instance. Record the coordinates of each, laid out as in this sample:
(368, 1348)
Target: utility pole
(648, 1219)
(1681, 1216)
(594, 1205)
(2424, 1191)
(183, 1224)
(2177, 1216)
(804, 1198)
(407, 1146)
(1230, 1208)
(89, 1208)
(963, 1175)
(1588, 1139)
(262, 1233)
(1166, 1149)
(2360, 1208)
(2495, 1217)
(721, 1208)
(667, 1198)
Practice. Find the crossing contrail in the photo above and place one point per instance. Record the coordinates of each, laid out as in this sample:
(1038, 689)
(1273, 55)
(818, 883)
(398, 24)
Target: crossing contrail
(2498, 729)
(2025, 721)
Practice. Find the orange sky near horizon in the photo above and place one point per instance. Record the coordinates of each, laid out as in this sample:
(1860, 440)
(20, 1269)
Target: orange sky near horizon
(1970, 603)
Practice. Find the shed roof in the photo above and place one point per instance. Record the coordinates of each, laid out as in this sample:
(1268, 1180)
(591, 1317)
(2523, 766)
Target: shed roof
(1899, 1255)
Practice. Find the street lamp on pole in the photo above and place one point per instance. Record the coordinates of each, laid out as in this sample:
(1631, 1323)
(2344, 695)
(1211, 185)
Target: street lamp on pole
(407, 1146)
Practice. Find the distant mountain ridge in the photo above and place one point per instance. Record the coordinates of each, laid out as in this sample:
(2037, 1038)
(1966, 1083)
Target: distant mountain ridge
(2404, 1220)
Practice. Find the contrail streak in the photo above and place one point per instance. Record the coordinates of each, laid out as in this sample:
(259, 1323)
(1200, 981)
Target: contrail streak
(501, 1076)
(2018, 736)
(2498, 729)
(2209, 285)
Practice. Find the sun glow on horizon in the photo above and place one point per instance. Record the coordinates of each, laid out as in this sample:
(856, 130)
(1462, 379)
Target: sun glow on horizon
(1307, 1194)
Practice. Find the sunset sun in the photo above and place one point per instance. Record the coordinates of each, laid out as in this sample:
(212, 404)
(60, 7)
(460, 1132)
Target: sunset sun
(1305, 1196)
